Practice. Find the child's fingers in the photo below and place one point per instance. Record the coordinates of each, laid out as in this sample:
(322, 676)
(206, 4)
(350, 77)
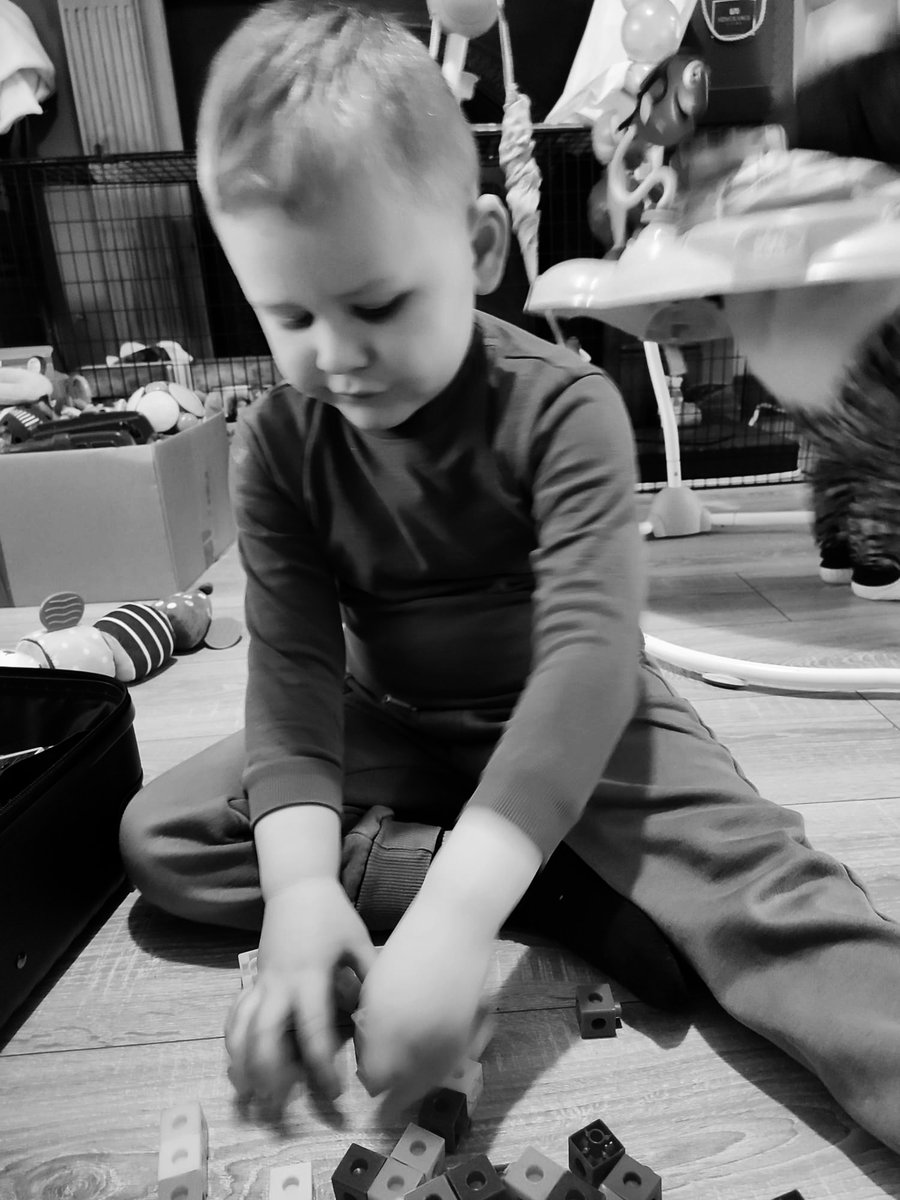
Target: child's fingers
(346, 989)
(314, 1029)
(236, 1025)
(270, 1067)
(361, 956)
(348, 977)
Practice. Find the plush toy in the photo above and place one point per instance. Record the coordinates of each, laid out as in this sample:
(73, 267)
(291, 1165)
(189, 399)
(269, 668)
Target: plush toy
(229, 399)
(170, 407)
(193, 623)
(129, 642)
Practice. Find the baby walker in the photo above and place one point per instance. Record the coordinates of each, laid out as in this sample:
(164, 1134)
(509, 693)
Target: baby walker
(665, 283)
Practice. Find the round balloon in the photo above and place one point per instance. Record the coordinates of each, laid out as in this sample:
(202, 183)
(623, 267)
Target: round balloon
(651, 30)
(469, 18)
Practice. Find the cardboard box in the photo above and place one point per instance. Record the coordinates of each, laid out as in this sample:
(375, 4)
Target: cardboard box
(117, 523)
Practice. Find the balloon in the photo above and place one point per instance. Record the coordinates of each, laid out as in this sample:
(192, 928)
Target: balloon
(468, 18)
(651, 30)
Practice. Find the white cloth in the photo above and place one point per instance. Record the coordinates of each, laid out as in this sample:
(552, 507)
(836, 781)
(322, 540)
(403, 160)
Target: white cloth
(600, 62)
(27, 76)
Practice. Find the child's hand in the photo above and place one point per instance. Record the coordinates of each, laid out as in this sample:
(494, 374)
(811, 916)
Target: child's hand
(420, 1005)
(283, 1028)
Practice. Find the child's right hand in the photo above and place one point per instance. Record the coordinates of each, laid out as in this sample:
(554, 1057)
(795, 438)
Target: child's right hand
(283, 1029)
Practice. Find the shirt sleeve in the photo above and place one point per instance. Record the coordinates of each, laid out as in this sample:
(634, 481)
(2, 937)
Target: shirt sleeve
(294, 701)
(589, 592)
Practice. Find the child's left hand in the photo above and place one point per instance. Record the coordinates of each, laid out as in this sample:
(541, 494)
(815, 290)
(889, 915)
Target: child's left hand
(421, 1004)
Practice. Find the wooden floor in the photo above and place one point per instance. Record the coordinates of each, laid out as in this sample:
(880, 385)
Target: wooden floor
(132, 1022)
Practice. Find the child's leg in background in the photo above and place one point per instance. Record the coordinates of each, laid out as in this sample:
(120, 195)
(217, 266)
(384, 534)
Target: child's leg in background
(783, 936)
(831, 495)
(870, 400)
(188, 847)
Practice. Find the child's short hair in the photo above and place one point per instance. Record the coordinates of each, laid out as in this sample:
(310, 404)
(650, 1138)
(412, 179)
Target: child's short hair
(302, 92)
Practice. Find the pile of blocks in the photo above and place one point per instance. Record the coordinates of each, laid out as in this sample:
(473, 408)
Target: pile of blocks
(599, 1168)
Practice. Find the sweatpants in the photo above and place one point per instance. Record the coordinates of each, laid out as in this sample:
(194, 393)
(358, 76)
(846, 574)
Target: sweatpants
(784, 937)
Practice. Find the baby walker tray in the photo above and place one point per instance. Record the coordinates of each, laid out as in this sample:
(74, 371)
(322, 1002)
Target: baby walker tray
(69, 763)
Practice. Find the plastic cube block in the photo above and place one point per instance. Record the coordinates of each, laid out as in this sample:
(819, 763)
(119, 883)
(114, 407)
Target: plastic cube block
(532, 1176)
(247, 963)
(570, 1187)
(467, 1076)
(422, 1149)
(183, 1153)
(597, 1010)
(593, 1152)
(355, 1173)
(792, 1195)
(631, 1180)
(291, 1182)
(433, 1189)
(476, 1179)
(395, 1179)
(446, 1113)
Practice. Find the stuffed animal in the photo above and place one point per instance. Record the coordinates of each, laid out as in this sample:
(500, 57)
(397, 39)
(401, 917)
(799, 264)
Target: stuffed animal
(129, 642)
(193, 622)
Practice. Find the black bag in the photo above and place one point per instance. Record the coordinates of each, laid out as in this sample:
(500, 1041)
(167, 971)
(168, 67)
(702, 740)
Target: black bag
(69, 763)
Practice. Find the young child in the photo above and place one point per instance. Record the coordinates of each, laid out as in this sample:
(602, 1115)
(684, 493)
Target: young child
(444, 579)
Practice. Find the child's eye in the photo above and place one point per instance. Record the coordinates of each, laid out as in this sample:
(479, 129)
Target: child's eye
(298, 321)
(379, 312)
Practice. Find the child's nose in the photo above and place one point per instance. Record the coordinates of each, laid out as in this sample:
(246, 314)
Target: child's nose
(337, 350)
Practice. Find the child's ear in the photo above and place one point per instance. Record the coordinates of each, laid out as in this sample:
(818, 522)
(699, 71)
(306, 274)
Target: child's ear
(490, 242)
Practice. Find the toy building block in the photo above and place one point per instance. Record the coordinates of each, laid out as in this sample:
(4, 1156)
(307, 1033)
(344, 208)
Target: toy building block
(183, 1153)
(476, 1179)
(597, 1010)
(394, 1180)
(570, 1187)
(446, 1113)
(433, 1189)
(355, 1173)
(631, 1180)
(247, 963)
(532, 1176)
(792, 1195)
(593, 1152)
(467, 1076)
(291, 1182)
(422, 1149)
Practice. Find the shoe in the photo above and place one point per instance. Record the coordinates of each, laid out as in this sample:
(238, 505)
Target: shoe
(835, 566)
(876, 583)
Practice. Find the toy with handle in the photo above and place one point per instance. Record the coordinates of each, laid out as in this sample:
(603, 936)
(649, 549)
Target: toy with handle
(460, 20)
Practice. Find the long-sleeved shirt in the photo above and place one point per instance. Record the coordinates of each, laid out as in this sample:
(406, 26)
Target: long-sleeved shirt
(484, 552)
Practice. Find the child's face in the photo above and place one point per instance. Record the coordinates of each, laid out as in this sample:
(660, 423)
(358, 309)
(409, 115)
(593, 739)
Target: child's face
(368, 305)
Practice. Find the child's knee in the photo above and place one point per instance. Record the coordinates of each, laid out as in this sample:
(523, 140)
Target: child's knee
(139, 839)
